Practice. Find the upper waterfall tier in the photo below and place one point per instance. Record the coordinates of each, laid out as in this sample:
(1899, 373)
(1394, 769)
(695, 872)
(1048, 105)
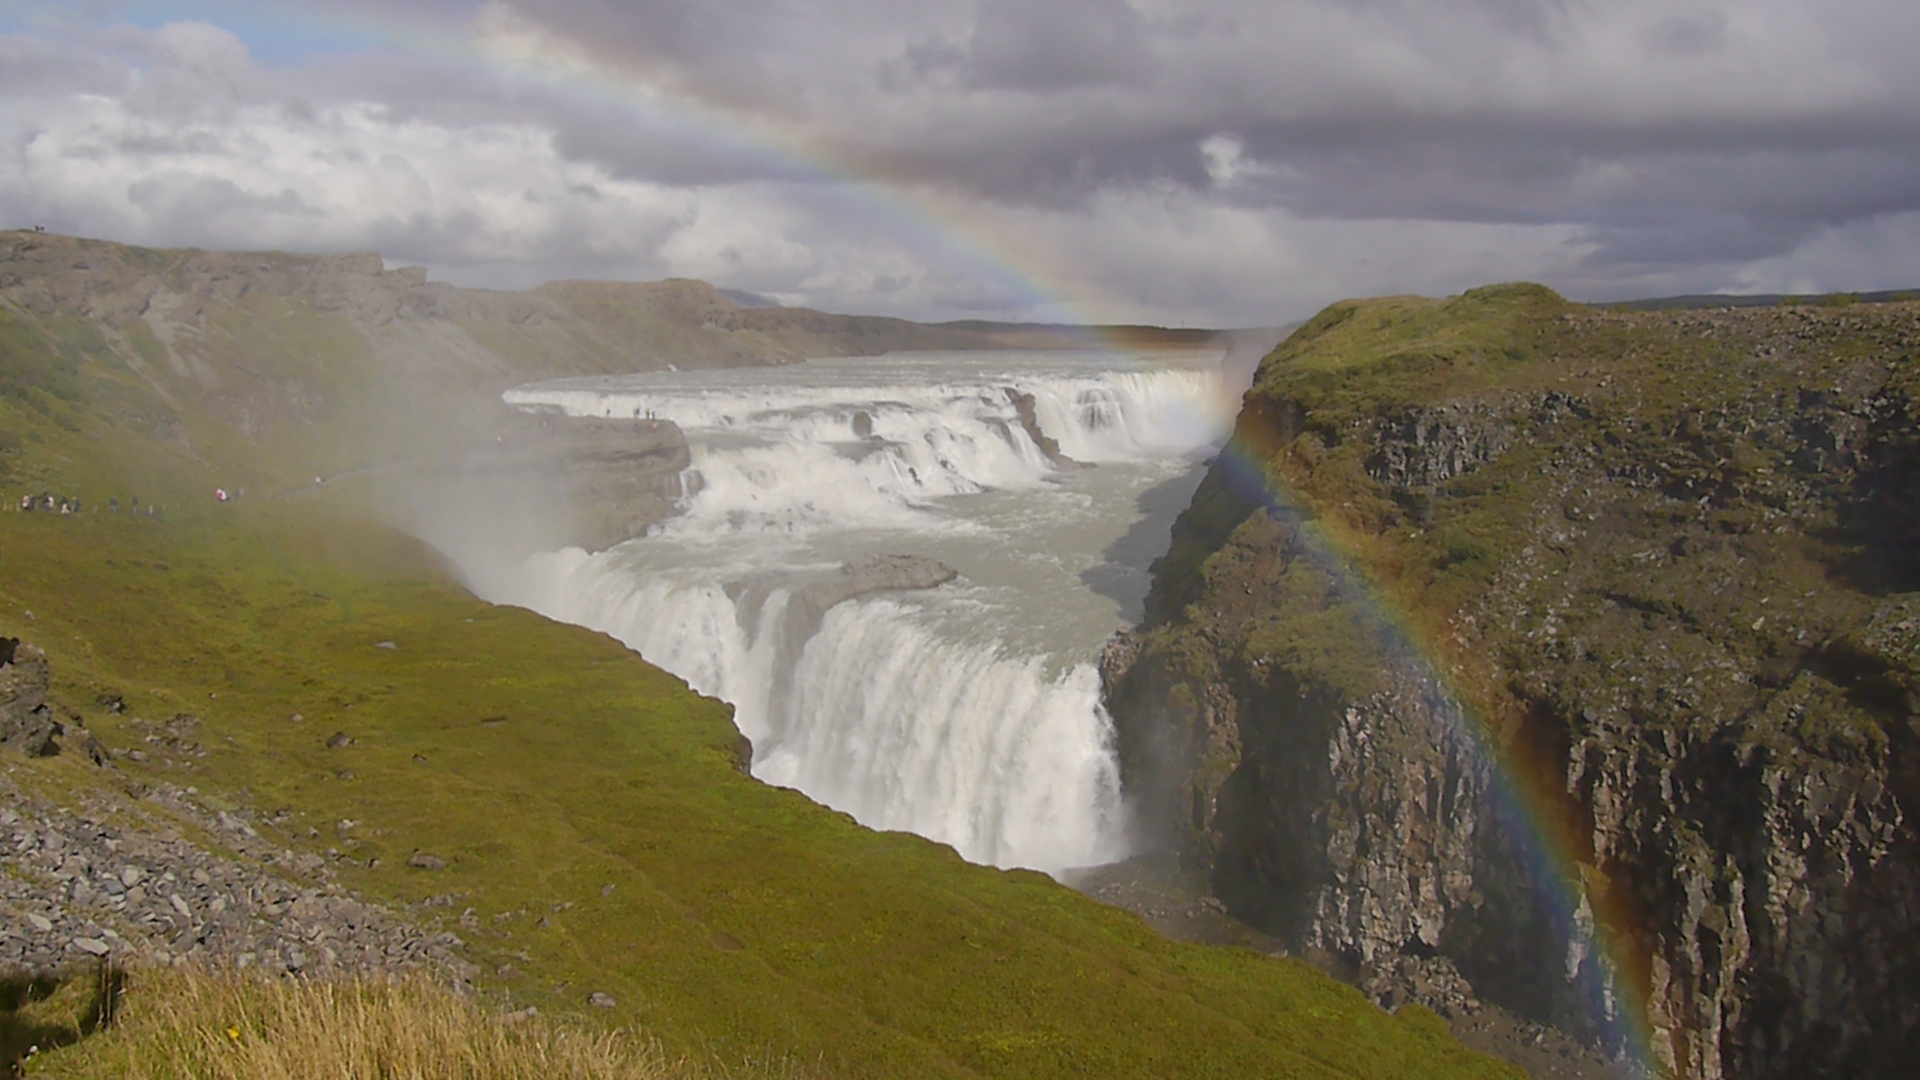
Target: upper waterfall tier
(830, 444)
(969, 712)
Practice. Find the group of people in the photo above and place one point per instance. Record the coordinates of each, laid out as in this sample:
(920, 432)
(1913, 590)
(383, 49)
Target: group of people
(47, 503)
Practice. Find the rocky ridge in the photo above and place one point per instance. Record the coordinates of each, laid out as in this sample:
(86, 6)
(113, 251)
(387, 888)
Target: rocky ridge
(1647, 578)
(120, 879)
(126, 871)
(27, 725)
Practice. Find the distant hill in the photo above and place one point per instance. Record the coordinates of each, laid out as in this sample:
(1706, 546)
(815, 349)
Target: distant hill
(1725, 300)
(1070, 335)
(743, 299)
(282, 367)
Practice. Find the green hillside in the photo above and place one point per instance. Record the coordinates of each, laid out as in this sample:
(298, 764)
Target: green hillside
(597, 830)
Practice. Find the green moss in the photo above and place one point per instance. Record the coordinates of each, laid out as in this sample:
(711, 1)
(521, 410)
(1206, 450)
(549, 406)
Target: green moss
(32, 368)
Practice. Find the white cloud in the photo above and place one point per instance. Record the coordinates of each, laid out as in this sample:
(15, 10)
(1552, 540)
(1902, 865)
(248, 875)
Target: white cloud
(344, 177)
(1206, 160)
(1176, 256)
(202, 147)
(1227, 160)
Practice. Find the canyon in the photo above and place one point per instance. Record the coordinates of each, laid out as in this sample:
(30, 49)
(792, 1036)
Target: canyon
(1565, 657)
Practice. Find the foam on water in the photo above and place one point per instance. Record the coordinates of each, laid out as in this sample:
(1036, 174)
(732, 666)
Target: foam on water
(969, 713)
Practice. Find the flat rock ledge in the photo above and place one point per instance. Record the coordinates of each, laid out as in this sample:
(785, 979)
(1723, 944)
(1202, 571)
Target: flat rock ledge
(119, 879)
(877, 573)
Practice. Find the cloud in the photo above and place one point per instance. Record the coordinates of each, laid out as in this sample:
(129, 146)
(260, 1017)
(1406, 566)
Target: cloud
(197, 151)
(880, 155)
(1059, 45)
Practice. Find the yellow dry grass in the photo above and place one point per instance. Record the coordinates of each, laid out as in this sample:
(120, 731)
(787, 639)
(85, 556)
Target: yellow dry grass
(232, 1025)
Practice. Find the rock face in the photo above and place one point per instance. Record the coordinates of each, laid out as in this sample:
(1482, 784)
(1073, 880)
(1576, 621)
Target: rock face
(1024, 407)
(1504, 619)
(27, 725)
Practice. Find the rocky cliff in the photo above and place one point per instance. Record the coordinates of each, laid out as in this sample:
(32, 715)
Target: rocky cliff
(27, 725)
(1574, 651)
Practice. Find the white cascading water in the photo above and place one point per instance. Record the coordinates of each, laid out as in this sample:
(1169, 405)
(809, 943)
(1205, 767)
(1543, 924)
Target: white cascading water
(970, 712)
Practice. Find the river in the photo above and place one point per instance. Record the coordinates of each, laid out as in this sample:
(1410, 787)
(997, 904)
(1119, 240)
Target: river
(969, 712)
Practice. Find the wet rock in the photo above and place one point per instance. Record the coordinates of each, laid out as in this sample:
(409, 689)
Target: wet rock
(1025, 408)
(861, 576)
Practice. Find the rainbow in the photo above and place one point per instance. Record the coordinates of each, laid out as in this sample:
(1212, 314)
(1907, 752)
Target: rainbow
(1522, 791)
(916, 209)
(498, 43)
(1017, 265)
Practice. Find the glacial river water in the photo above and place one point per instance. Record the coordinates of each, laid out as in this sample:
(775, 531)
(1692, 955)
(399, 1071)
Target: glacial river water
(968, 713)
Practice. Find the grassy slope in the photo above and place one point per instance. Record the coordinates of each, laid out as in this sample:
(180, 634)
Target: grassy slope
(1667, 394)
(743, 920)
(1354, 361)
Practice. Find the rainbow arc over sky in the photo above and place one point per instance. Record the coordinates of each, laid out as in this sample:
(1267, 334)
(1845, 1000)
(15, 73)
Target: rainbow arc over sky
(1518, 792)
(1023, 268)
(846, 178)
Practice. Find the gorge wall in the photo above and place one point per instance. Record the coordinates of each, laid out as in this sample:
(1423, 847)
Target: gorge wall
(1503, 618)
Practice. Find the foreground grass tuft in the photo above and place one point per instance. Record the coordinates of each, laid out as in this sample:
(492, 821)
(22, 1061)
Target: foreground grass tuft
(232, 1025)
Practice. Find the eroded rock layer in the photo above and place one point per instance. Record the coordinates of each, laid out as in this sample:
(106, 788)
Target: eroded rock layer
(1503, 617)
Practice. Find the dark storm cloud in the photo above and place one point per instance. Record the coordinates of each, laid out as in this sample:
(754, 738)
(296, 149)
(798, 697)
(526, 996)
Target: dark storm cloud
(1058, 45)
(1474, 110)
(1487, 109)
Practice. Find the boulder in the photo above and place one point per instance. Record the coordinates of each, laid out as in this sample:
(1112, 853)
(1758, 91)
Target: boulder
(27, 724)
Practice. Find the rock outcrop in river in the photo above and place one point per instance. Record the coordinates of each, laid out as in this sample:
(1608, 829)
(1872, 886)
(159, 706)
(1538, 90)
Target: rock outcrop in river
(1504, 619)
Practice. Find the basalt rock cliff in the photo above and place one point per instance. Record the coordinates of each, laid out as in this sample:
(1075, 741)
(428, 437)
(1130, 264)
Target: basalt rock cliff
(1573, 650)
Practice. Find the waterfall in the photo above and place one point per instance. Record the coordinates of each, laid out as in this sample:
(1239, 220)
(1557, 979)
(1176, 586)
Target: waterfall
(968, 713)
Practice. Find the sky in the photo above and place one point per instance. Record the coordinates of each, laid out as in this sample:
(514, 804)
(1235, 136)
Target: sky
(1186, 162)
